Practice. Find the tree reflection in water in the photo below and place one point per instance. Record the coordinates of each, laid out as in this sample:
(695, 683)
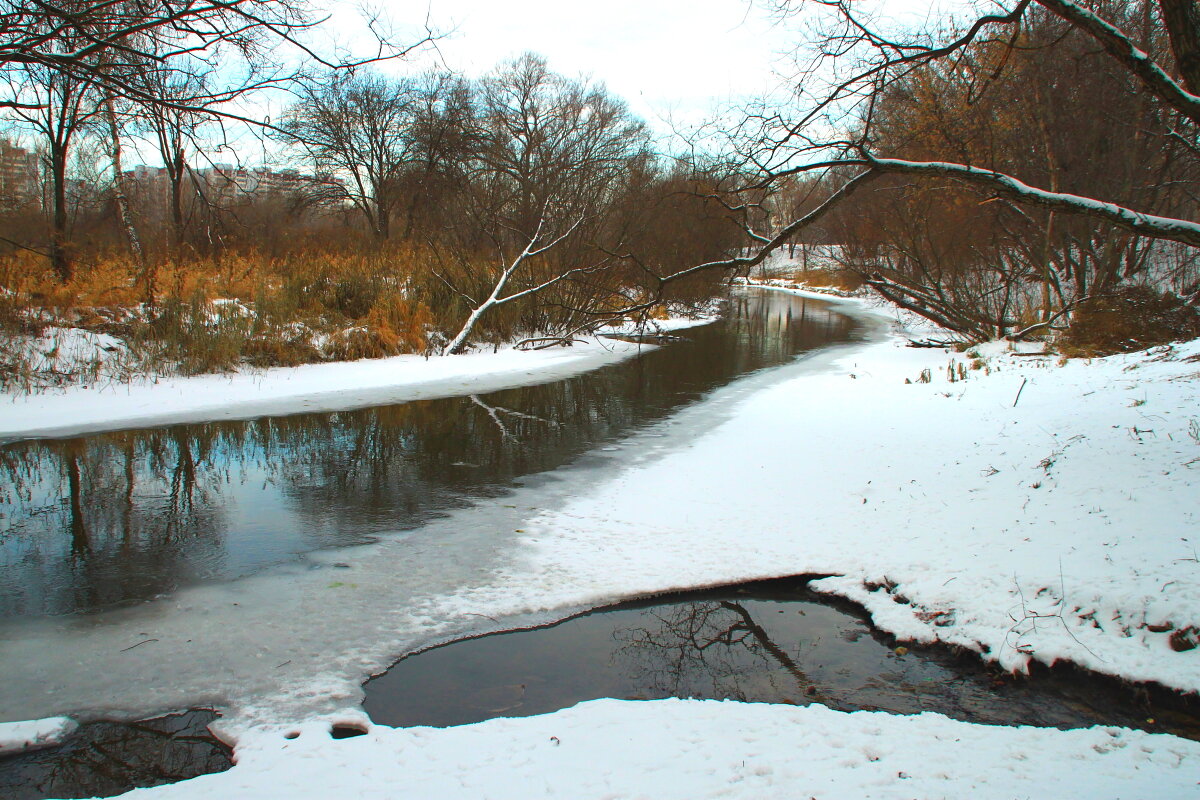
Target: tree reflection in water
(116, 517)
(713, 650)
(109, 758)
(767, 642)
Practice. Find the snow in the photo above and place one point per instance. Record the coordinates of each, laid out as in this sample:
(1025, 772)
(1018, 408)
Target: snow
(658, 326)
(286, 390)
(58, 352)
(16, 737)
(1034, 511)
(1059, 529)
(690, 749)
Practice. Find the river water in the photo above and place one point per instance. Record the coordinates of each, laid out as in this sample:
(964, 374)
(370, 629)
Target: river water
(97, 521)
(267, 567)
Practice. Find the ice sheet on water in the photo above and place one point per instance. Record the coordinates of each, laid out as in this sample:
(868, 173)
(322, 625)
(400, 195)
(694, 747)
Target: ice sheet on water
(299, 640)
(16, 737)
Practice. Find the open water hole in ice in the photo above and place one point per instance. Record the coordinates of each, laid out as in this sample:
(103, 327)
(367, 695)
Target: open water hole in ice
(115, 518)
(768, 641)
(109, 758)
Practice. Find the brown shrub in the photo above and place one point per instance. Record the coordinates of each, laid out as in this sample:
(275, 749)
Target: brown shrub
(1127, 319)
(846, 280)
(265, 350)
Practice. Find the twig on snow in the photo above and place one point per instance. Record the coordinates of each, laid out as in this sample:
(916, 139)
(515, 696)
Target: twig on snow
(1018, 398)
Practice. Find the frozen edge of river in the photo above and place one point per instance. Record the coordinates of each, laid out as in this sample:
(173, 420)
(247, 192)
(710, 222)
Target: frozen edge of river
(335, 386)
(580, 554)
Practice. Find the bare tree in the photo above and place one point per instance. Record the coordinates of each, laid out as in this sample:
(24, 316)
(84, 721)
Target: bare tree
(107, 42)
(56, 107)
(359, 127)
(553, 142)
(445, 137)
(834, 132)
(553, 162)
(174, 129)
(120, 184)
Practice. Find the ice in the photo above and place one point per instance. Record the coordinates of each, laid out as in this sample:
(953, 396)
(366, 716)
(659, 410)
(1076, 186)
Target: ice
(16, 737)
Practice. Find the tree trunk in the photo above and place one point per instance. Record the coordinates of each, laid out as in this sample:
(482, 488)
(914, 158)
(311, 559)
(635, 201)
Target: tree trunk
(177, 232)
(60, 246)
(120, 194)
(459, 342)
(1182, 18)
(383, 223)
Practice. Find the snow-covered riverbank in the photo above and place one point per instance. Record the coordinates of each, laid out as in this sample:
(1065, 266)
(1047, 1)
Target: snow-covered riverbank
(1060, 525)
(81, 409)
(1031, 511)
(690, 749)
(290, 390)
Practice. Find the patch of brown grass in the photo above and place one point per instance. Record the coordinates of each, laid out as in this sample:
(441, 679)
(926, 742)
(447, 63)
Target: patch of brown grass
(288, 310)
(1127, 319)
(845, 280)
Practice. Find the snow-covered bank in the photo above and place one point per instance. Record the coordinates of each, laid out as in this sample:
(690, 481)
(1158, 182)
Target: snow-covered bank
(287, 390)
(1059, 526)
(1056, 525)
(691, 749)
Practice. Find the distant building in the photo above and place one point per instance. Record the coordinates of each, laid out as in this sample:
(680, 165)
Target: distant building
(153, 183)
(225, 186)
(19, 174)
(229, 182)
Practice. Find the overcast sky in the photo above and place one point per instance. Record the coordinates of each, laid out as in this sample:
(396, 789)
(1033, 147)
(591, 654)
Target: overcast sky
(671, 60)
(680, 58)
(661, 56)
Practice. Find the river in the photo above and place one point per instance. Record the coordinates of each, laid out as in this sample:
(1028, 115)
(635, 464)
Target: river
(206, 535)
(266, 568)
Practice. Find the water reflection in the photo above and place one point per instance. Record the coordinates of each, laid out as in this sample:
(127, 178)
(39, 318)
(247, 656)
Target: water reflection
(771, 641)
(109, 758)
(709, 649)
(90, 522)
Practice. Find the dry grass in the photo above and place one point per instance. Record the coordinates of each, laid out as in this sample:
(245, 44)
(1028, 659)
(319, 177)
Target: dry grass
(214, 315)
(1127, 319)
(253, 309)
(845, 280)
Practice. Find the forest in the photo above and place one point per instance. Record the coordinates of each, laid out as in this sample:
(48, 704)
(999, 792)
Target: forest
(1031, 172)
(1026, 172)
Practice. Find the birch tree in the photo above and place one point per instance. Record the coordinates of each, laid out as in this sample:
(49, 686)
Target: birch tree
(533, 249)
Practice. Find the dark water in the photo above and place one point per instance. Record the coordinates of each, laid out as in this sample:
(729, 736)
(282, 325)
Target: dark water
(90, 522)
(109, 758)
(770, 641)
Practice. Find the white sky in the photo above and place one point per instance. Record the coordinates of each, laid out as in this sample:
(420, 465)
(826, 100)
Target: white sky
(680, 59)
(662, 57)
(675, 62)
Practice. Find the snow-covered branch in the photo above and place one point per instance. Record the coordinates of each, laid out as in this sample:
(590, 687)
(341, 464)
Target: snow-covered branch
(1119, 46)
(1150, 225)
(531, 250)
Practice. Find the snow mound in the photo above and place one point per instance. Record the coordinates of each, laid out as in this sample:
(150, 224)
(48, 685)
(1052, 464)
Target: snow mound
(689, 749)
